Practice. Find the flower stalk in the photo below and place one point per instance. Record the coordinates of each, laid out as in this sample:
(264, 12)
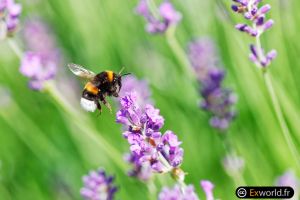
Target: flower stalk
(13, 45)
(179, 52)
(257, 16)
(280, 118)
(164, 19)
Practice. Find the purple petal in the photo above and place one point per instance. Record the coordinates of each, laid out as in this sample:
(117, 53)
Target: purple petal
(207, 187)
(268, 24)
(264, 9)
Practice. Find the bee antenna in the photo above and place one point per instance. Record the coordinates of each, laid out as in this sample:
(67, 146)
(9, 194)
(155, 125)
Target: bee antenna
(121, 70)
(125, 74)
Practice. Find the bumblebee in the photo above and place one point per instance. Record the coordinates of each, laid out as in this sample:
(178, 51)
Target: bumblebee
(98, 87)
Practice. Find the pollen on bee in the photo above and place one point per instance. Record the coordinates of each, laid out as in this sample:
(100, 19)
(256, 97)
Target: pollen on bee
(88, 105)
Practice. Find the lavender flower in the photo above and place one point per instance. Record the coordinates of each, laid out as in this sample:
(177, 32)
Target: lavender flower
(257, 16)
(202, 55)
(217, 100)
(9, 17)
(38, 37)
(288, 179)
(208, 187)
(147, 143)
(261, 60)
(41, 61)
(176, 193)
(98, 186)
(233, 164)
(140, 87)
(159, 22)
(141, 171)
(38, 68)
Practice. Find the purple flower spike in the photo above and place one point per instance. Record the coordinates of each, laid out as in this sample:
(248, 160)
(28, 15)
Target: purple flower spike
(142, 171)
(217, 100)
(140, 87)
(40, 63)
(142, 8)
(98, 186)
(147, 144)
(9, 17)
(208, 187)
(288, 179)
(251, 12)
(176, 193)
(168, 13)
(38, 69)
(256, 27)
(258, 57)
(159, 22)
(38, 37)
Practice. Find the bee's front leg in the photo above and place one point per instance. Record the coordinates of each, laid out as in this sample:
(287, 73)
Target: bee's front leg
(119, 85)
(98, 107)
(103, 100)
(107, 104)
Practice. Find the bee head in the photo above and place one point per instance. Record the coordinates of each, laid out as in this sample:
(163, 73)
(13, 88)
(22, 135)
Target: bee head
(117, 83)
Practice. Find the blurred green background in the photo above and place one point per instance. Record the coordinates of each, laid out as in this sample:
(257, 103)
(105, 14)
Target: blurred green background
(43, 154)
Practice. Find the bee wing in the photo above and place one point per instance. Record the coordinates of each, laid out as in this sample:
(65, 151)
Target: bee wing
(81, 72)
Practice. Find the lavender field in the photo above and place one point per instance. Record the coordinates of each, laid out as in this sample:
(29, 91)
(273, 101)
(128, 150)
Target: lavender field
(197, 98)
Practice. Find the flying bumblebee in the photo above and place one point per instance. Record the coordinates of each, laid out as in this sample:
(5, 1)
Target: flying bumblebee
(99, 86)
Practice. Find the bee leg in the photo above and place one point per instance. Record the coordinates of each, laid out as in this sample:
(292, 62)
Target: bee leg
(107, 105)
(98, 107)
(120, 84)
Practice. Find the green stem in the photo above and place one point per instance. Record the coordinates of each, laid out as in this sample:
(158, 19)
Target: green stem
(169, 169)
(182, 186)
(152, 190)
(173, 43)
(259, 49)
(277, 108)
(153, 8)
(237, 177)
(280, 118)
(179, 52)
(14, 46)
